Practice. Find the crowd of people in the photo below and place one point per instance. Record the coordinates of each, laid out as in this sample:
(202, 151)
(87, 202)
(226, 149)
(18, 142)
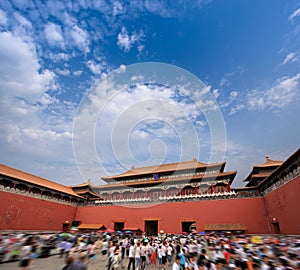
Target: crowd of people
(176, 252)
(207, 253)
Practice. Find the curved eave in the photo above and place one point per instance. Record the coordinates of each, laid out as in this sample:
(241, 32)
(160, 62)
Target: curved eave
(35, 180)
(282, 167)
(257, 176)
(230, 175)
(159, 169)
(86, 184)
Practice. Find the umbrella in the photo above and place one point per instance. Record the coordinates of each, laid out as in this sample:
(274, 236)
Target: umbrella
(119, 232)
(128, 232)
(109, 230)
(64, 234)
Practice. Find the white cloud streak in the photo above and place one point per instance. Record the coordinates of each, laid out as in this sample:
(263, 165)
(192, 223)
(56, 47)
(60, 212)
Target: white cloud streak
(295, 14)
(290, 58)
(277, 97)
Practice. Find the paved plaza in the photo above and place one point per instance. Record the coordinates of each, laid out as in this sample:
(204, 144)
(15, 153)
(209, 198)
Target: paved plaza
(56, 263)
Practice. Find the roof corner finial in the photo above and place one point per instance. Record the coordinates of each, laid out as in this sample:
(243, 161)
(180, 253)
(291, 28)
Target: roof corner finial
(194, 159)
(267, 157)
(132, 167)
(89, 180)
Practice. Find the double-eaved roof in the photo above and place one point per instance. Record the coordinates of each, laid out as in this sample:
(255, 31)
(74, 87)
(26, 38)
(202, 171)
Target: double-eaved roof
(262, 171)
(162, 168)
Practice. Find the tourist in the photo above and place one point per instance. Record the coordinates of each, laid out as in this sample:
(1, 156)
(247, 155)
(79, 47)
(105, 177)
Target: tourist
(69, 263)
(104, 247)
(182, 257)
(131, 256)
(62, 246)
(138, 259)
(143, 255)
(176, 264)
(153, 255)
(169, 253)
(25, 254)
(80, 264)
(116, 259)
(164, 256)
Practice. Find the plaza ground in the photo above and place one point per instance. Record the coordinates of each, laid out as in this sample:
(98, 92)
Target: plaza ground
(56, 263)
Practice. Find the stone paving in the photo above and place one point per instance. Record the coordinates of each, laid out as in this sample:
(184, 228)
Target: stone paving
(55, 263)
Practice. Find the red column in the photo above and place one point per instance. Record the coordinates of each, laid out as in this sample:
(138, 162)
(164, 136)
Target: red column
(212, 188)
(228, 187)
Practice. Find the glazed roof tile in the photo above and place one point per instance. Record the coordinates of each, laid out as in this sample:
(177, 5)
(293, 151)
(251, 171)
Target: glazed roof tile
(185, 165)
(269, 163)
(32, 179)
(179, 178)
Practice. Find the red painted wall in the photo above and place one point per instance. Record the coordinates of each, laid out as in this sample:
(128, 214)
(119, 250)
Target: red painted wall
(249, 211)
(18, 212)
(283, 204)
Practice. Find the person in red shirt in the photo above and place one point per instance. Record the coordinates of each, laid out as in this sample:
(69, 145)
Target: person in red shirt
(226, 255)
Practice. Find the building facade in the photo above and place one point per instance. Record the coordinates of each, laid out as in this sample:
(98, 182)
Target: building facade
(169, 198)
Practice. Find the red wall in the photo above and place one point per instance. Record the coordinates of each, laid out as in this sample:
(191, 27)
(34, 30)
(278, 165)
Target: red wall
(249, 211)
(19, 212)
(283, 204)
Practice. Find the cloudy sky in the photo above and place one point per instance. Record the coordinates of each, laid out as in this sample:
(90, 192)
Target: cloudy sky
(92, 88)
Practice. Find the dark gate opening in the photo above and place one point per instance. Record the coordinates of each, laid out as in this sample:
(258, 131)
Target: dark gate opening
(151, 227)
(188, 226)
(118, 226)
(276, 227)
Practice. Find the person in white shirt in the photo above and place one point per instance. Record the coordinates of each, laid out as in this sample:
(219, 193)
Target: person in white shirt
(176, 264)
(138, 260)
(131, 255)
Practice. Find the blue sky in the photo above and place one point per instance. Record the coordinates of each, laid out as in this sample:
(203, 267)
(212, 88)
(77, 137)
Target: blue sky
(59, 122)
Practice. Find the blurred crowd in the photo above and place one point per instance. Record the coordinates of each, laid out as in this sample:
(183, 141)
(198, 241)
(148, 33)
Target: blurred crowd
(176, 252)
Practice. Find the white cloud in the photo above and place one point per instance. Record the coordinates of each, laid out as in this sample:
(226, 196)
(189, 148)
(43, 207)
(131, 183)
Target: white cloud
(216, 93)
(22, 20)
(80, 37)
(126, 41)
(57, 57)
(54, 35)
(3, 17)
(296, 13)
(77, 72)
(95, 68)
(63, 72)
(20, 73)
(117, 8)
(236, 108)
(279, 96)
(290, 58)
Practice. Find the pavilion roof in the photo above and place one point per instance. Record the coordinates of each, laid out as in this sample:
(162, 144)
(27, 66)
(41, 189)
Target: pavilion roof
(281, 168)
(166, 180)
(258, 170)
(32, 179)
(176, 166)
(83, 185)
(269, 163)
